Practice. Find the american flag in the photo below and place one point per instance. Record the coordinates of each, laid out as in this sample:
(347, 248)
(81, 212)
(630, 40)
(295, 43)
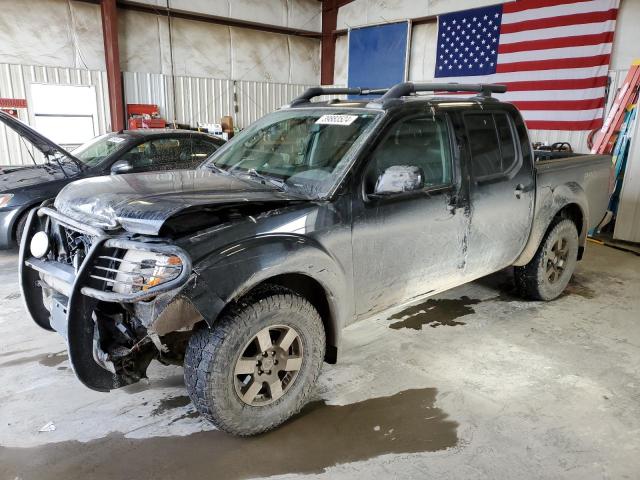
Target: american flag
(553, 55)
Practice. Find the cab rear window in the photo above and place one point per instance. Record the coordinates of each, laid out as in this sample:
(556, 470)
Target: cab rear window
(491, 142)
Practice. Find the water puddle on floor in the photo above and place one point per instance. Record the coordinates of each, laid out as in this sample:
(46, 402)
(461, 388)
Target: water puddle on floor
(319, 437)
(577, 286)
(54, 359)
(435, 312)
(171, 403)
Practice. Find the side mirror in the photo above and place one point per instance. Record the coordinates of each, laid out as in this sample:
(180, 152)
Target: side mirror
(399, 179)
(121, 166)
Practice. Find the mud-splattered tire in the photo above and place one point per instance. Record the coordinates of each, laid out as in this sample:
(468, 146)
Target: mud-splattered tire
(215, 355)
(546, 276)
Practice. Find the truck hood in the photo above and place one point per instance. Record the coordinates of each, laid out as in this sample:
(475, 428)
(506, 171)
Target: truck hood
(142, 203)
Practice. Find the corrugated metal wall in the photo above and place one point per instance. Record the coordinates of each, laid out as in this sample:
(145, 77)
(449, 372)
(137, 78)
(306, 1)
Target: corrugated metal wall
(207, 100)
(16, 81)
(198, 100)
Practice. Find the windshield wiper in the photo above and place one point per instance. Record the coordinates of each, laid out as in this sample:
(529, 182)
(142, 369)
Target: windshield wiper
(252, 172)
(218, 169)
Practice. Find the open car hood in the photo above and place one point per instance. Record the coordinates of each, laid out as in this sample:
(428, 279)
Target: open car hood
(38, 140)
(143, 202)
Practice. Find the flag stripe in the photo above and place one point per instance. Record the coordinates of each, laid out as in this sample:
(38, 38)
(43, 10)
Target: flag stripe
(547, 95)
(561, 21)
(562, 115)
(569, 73)
(562, 42)
(555, 10)
(554, 64)
(512, 7)
(557, 84)
(562, 125)
(556, 32)
(553, 95)
(555, 54)
(589, 104)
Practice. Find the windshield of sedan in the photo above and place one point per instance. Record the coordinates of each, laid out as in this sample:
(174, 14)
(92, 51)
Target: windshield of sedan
(304, 150)
(96, 150)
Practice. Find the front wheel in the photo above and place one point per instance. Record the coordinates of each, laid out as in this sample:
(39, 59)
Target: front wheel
(257, 366)
(546, 276)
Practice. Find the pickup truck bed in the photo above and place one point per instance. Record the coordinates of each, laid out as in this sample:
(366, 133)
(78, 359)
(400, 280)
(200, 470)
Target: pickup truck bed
(569, 178)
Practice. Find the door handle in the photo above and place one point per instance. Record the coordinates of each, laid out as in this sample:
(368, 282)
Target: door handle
(519, 190)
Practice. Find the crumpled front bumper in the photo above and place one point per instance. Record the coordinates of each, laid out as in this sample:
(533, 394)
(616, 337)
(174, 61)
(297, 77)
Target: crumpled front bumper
(77, 293)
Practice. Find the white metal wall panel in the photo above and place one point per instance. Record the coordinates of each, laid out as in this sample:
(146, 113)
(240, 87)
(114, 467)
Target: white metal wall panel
(207, 100)
(628, 218)
(16, 81)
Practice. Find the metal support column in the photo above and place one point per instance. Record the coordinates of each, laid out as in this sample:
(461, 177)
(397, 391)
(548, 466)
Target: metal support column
(109, 13)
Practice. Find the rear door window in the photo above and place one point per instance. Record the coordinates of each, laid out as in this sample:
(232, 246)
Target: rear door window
(491, 142)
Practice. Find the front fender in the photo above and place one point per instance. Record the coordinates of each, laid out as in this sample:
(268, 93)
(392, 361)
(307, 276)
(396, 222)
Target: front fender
(234, 270)
(549, 201)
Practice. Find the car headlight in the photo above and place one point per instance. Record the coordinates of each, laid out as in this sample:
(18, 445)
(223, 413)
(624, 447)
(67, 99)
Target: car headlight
(5, 199)
(140, 271)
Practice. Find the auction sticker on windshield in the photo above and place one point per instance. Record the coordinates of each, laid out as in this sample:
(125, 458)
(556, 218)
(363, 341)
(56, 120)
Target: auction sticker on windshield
(336, 119)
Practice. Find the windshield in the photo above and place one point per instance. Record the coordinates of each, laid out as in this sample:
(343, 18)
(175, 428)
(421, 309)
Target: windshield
(96, 150)
(303, 150)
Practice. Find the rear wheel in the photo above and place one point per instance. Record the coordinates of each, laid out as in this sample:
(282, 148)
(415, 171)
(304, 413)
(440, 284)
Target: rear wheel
(258, 365)
(546, 276)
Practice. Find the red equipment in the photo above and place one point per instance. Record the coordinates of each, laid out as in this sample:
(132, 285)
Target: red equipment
(143, 115)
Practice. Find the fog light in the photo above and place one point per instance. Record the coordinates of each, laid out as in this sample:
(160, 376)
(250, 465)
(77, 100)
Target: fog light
(39, 245)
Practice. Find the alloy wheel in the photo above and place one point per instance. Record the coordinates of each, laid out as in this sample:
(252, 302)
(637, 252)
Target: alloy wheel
(556, 259)
(268, 365)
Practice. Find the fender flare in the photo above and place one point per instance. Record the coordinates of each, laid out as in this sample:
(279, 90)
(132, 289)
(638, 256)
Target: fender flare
(549, 202)
(231, 272)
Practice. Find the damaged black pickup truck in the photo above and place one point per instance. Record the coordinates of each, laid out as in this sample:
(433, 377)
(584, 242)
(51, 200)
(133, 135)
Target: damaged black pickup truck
(322, 213)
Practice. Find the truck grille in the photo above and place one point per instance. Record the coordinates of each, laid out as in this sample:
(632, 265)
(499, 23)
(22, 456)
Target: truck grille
(73, 245)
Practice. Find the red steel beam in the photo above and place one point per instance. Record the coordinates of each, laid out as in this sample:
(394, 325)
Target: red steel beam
(203, 17)
(328, 48)
(109, 13)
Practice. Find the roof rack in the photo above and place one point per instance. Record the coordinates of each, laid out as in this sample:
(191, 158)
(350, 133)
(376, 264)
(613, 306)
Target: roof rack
(407, 88)
(400, 90)
(312, 92)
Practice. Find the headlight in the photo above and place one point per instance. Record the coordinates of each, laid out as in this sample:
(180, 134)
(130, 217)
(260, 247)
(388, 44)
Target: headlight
(140, 271)
(5, 199)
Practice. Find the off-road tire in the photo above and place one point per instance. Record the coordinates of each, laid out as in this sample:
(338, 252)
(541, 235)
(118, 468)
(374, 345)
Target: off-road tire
(212, 353)
(532, 280)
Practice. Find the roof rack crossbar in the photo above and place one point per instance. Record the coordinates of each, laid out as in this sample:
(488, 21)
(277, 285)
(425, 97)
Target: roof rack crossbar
(312, 92)
(400, 90)
(407, 88)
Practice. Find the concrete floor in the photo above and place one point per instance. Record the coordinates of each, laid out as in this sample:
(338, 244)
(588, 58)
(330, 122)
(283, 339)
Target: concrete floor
(472, 384)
